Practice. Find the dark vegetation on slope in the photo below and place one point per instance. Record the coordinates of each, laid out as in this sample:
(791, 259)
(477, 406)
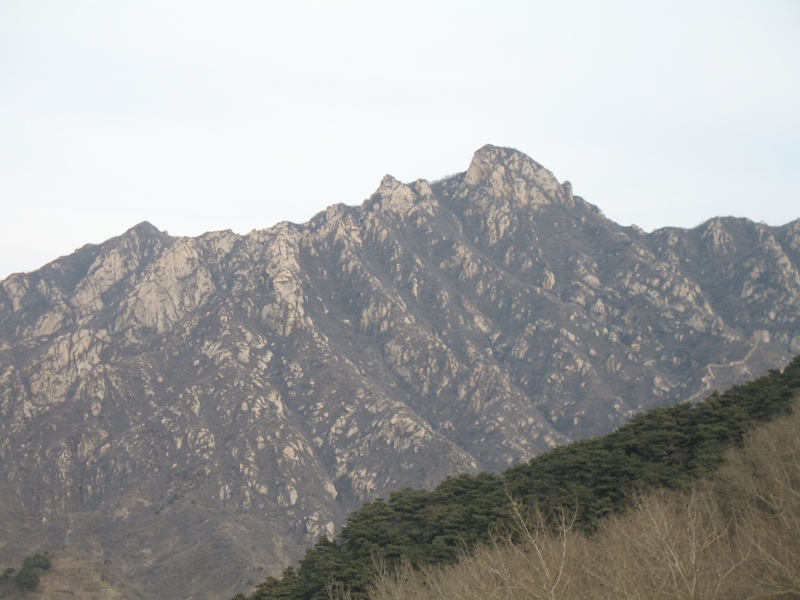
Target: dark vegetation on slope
(27, 577)
(663, 448)
(734, 535)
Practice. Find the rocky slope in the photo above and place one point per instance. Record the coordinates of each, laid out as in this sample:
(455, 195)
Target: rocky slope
(195, 411)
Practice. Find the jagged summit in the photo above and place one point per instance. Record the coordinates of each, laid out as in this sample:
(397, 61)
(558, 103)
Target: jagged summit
(197, 407)
(148, 231)
(499, 155)
(489, 158)
(144, 228)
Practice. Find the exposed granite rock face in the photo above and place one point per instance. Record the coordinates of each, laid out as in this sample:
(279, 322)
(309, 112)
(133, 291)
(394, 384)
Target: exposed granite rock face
(193, 409)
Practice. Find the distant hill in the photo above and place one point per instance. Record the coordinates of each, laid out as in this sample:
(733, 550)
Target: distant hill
(198, 411)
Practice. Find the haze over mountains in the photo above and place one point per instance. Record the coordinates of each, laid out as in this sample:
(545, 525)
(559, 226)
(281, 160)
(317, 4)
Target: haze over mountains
(193, 409)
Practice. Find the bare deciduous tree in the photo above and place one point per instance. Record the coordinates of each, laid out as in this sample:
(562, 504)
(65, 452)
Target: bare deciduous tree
(536, 559)
(671, 546)
(762, 481)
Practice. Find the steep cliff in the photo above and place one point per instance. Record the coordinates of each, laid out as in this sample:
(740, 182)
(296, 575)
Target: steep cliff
(197, 410)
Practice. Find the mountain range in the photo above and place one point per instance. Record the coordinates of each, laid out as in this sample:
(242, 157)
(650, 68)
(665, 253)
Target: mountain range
(191, 413)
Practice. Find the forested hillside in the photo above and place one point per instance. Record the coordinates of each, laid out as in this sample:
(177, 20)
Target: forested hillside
(732, 536)
(665, 448)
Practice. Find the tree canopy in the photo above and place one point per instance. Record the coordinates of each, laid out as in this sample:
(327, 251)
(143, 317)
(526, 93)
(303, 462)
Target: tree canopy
(663, 448)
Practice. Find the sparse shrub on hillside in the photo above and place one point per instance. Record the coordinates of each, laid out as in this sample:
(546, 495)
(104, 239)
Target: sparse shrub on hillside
(27, 578)
(37, 561)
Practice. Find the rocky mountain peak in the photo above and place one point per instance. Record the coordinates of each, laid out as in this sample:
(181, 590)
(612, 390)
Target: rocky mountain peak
(145, 229)
(396, 196)
(191, 409)
(505, 173)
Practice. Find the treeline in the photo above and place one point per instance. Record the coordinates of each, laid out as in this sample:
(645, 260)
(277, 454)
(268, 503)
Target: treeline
(665, 448)
(732, 536)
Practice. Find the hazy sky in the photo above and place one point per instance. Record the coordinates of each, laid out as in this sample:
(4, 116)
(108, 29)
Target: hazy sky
(198, 115)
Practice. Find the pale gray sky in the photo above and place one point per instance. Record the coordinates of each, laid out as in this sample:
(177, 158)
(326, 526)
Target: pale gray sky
(199, 115)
